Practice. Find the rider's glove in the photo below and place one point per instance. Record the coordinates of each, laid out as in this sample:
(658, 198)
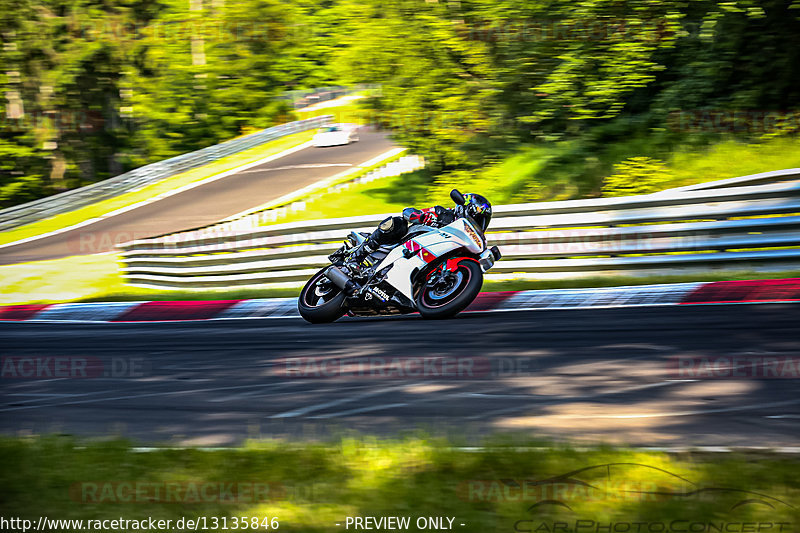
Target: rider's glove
(428, 218)
(422, 217)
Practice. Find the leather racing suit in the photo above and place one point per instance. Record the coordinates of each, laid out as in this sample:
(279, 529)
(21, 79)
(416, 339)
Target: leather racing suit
(393, 229)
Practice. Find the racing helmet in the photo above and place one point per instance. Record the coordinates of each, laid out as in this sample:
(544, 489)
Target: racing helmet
(479, 209)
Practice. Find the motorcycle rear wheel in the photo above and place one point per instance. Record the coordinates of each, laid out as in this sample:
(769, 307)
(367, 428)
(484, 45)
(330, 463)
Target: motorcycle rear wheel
(440, 301)
(320, 303)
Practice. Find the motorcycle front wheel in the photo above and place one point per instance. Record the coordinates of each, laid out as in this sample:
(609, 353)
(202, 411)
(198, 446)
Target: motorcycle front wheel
(446, 293)
(320, 300)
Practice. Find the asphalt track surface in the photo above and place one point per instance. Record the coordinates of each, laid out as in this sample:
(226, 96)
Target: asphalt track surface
(205, 204)
(585, 375)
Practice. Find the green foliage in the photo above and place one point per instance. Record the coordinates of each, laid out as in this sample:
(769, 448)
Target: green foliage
(312, 486)
(15, 186)
(518, 178)
(637, 175)
(21, 189)
(465, 83)
(93, 89)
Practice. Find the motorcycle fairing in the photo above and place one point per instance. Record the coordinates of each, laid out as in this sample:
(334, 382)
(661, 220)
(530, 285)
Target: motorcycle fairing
(424, 249)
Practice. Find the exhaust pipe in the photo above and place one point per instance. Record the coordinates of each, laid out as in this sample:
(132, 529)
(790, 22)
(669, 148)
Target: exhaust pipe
(341, 280)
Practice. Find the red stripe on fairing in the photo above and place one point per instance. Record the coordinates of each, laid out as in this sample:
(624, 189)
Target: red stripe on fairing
(166, 311)
(21, 312)
(486, 301)
(426, 255)
(418, 249)
(757, 290)
(413, 246)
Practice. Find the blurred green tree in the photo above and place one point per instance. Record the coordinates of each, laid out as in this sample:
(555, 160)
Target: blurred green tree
(637, 175)
(92, 88)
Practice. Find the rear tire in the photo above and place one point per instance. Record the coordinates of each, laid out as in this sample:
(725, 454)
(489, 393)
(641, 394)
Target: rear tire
(435, 302)
(320, 304)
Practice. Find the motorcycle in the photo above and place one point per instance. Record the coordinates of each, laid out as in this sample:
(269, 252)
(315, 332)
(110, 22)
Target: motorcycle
(436, 271)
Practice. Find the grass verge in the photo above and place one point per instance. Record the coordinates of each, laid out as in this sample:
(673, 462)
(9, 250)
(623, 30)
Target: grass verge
(344, 110)
(385, 195)
(96, 278)
(312, 487)
(166, 185)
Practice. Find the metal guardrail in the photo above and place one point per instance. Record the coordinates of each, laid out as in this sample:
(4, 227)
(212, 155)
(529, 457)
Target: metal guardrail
(732, 228)
(140, 177)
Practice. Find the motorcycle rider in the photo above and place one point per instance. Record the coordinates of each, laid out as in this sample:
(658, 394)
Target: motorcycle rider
(393, 229)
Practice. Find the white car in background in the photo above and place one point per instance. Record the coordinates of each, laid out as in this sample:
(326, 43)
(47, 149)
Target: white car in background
(335, 135)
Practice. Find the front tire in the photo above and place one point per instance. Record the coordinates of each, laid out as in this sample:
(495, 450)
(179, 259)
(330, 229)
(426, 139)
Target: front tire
(437, 301)
(320, 301)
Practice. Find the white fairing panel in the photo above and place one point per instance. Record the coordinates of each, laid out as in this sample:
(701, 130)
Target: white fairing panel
(399, 276)
(459, 234)
(464, 231)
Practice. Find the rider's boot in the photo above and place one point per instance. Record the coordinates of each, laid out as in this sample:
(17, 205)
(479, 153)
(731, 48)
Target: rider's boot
(357, 260)
(388, 231)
